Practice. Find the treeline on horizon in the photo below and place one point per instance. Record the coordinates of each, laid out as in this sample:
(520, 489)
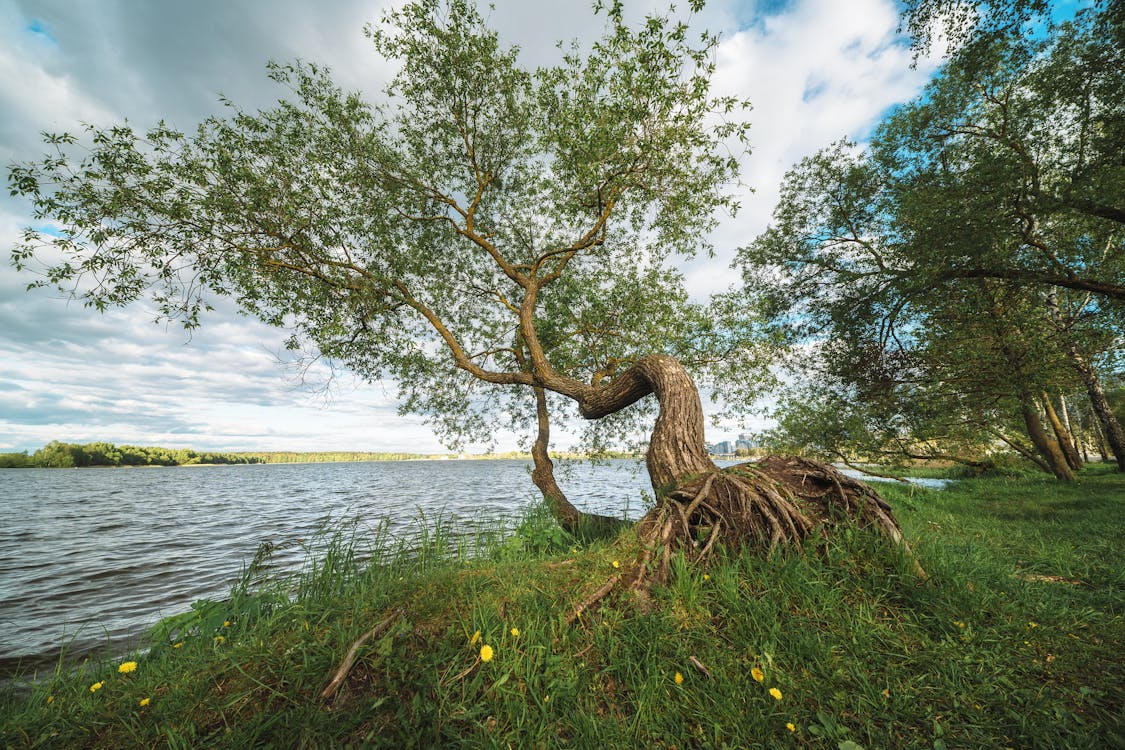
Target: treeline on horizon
(60, 455)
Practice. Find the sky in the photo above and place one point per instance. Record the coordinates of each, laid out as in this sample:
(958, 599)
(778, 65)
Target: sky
(814, 70)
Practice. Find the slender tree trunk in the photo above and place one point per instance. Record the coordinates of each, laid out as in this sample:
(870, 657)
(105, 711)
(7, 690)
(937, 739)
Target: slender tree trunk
(1062, 435)
(1075, 431)
(1023, 451)
(1048, 448)
(543, 471)
(569, 517)
(1107, 420)
(1110, 427)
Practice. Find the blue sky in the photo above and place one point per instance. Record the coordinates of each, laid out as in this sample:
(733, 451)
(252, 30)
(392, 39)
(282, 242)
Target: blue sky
(815, 70)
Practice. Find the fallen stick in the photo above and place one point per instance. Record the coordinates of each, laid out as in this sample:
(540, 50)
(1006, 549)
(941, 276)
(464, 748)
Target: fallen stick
(349, 660)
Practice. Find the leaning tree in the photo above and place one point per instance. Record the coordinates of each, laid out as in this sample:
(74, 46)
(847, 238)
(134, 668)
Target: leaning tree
(486, 235)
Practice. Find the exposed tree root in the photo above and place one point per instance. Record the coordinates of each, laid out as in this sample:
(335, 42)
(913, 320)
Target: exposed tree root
(776, 501)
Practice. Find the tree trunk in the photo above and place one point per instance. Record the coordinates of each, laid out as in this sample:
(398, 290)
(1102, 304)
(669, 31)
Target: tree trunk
(1107, 420)
(1099, 438)
(676, 449)
(1110, 427)
(1075, 431)
(1047, 447)
(1023, 451)
(761, 505)
(569, 517)
(1062, 435)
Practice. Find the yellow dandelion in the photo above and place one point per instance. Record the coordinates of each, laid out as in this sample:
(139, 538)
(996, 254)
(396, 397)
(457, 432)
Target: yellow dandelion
(143, 702)
(775, 693)
(757, 674)
(219, 639)
(96, 687)
(486, 653)
(886, 692)
(515, 632)
(958, 623)
(474, 639)
(791, 727)
(706, 577)
(679, 678)
(226, 623)
(50, 699)
(616, 564)
(127, 667)
(177, 645)
(1031, 625)
(546, 699)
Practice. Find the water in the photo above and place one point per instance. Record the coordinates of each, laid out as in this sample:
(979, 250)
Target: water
(95, 556)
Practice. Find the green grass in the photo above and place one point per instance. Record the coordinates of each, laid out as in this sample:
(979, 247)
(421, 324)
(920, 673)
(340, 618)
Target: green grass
(1015, 640)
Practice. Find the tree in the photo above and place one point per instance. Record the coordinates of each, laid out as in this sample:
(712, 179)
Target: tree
(489, 233)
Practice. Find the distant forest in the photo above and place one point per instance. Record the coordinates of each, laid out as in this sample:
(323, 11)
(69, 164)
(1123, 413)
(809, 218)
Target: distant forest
(59, 455)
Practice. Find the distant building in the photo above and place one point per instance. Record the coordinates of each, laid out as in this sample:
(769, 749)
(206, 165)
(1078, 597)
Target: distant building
(723, 447)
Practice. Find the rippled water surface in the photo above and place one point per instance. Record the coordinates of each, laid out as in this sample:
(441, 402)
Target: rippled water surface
(92, 556)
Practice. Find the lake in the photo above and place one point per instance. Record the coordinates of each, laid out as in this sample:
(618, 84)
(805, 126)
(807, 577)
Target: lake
(92, 557)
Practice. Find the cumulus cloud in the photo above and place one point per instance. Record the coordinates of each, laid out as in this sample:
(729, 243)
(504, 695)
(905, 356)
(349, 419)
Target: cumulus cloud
(814, 69)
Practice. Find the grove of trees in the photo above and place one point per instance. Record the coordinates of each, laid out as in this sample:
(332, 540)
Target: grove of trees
(957, 285)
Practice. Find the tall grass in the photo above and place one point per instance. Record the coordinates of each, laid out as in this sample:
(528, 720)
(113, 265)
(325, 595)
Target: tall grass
(1013, 641)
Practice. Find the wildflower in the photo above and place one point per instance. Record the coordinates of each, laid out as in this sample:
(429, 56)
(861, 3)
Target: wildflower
(706, 577)
(775, 693)
(1031, 625)
(50, 699)
(790, 726)
(757, 674)
(958, 623)
(546, 699)
(515, 632)
(474, 639)
(219, 639)
(127, 667)
(96, 687)
(226, 623)
(886, 692)
(616, 564)
(679, 678)
(486, 653)
(143, 702)
(177, 645)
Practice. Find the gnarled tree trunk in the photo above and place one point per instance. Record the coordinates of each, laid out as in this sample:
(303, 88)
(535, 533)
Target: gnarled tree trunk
(776, 501)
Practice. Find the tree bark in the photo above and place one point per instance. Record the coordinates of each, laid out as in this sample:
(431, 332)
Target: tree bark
(676, 449)
(1062, 435)
(1076, 434)
(1048, 448)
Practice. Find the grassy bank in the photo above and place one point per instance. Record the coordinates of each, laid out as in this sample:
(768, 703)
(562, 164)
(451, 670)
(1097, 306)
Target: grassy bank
(1014, 641)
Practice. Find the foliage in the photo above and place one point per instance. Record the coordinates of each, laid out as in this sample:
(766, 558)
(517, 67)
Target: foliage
(1013, 641)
